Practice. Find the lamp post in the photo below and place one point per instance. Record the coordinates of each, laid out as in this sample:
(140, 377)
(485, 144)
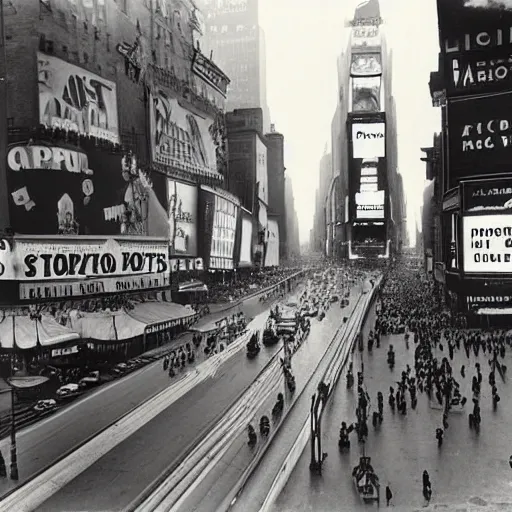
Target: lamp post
(14, 452)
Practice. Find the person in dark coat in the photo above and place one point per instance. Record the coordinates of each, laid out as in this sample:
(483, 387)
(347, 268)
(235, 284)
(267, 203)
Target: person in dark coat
(389, 495)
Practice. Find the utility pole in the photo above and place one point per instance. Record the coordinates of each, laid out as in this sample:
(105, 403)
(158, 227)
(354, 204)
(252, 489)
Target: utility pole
(4, 194)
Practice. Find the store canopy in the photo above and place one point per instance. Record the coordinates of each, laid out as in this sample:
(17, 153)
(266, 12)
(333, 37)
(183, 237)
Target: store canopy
(25, 333)
(193, 286)
(156, 312)
(106, 326)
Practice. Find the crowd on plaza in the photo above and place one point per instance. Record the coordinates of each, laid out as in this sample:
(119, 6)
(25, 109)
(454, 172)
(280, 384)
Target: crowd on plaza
(408, 305)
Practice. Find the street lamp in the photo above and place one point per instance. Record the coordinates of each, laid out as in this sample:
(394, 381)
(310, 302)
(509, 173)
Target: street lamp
(14, 452)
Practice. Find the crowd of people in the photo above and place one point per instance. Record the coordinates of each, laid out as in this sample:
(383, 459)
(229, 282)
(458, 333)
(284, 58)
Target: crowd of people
(408, 305)
(245, 283)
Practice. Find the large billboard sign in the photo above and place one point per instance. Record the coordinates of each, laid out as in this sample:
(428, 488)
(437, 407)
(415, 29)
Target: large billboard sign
(476, 45)
(81, 259)
(74, 99)
(246, 241)
(479, 137)
(220, 211)
(366, 93)
(368, 140)
(366, 64)
(57, 189)
(486, 196)
(370, 205)
(487, 244)
(182, 218)
(181, 139)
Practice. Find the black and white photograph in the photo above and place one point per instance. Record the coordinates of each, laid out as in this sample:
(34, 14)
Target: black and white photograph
(255, 255)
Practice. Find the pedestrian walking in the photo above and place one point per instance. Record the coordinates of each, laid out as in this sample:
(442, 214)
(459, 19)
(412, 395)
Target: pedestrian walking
(389, 495)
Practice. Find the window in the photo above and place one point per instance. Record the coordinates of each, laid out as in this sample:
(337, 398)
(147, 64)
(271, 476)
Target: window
(166, 62)
(86, 58)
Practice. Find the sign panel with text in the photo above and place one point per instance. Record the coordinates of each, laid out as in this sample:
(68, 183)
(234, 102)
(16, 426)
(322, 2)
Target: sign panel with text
(476, 45)
(479, 137)
(487, 196)
(487, 243)
(182, 218)
(368, 140)
(82, 259)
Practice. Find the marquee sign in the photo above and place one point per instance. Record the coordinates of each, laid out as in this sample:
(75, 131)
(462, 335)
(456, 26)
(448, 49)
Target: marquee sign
(37, 260)
(206, 70)
(487, 196)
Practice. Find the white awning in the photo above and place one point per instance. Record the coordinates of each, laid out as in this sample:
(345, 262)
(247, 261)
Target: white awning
(156, 312)
(106, 326)
(24, 331)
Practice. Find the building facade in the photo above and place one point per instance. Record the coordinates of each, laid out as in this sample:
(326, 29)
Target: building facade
(319, 231)
(247, 176)
(292, 223)
(114, 120)
(276, 181)
(237, 41)
(472, 87)
(365, 219)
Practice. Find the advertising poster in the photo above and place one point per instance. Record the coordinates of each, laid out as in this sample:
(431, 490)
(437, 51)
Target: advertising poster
(366, 36)
(246, 241)
(182, 218)
(224, 234)
(476, 45)
(272, 253)
(181, 139)
(65, 190)
(488, 196)
(72, 98)
(370, 205)
(368, 140)
(366, 64)
(488, 244)
(366, 94)
(479, 137)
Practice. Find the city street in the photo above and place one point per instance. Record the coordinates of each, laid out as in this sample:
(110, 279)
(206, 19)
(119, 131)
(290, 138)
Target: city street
(43, 443)
(469, 469)
(132, 466)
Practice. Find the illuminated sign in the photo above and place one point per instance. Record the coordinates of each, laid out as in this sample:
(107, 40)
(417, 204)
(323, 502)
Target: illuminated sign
(368, 140)
(488, 244)
(210, 73)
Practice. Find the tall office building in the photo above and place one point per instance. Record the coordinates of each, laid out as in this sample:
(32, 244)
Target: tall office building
(237, 41)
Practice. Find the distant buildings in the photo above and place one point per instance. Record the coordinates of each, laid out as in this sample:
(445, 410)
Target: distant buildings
(237, 41)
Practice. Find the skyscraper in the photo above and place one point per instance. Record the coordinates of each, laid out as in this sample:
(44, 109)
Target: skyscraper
(237, 41)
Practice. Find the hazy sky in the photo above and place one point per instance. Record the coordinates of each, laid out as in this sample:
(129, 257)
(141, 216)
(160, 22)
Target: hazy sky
(303, 41)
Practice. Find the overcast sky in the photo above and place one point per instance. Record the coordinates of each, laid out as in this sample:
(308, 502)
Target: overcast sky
(303, 41)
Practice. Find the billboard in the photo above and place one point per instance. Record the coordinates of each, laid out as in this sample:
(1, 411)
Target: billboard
(181, 139)
(366, 94)
(368, 140)
(366, 64)
(366, 36)
(479, 137)
(182, 218)
(370, 205)
(74, 99)
(272, 253)
(246, 241)
(219, 219)
(487, 244)
(476, 45)
(80, 259)
(58, 189)
(487, 196)
(368, 185)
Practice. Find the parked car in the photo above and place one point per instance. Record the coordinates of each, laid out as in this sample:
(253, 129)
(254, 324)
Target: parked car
(45, 405)
(92, 379)
(68, 391)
